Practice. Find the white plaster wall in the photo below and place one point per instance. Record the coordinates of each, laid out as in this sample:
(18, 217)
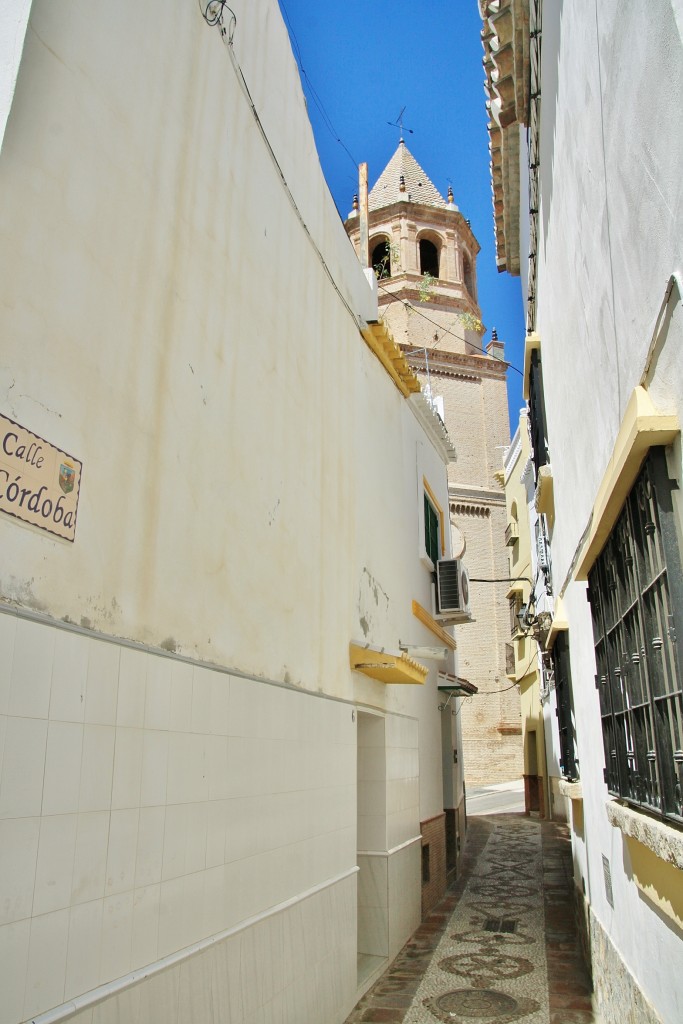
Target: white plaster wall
(185, 342)
(610, 227)
(166, 319)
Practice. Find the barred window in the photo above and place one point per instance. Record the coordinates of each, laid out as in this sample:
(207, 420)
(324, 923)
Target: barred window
(564, 706)
(636, 596)
(537, 423)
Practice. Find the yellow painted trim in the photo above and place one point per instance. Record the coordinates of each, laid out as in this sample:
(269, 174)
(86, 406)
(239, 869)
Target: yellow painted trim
(518, 587)
(544, 499)
(531, 344)
(430, 622)
(381, 343)
(386, 666)
(642, 428)
(559, 624)
(659, 881)
(438, 508)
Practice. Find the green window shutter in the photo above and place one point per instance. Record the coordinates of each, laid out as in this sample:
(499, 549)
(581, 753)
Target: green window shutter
(431, 530)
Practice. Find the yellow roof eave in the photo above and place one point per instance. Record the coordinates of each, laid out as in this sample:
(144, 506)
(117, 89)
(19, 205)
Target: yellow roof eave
(386, 666)
(381, 343)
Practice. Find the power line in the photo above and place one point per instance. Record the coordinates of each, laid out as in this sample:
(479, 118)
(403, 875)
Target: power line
(327, 121)
(446, 330)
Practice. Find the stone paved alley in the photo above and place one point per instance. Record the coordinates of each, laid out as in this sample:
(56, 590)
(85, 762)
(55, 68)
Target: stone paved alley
(502, 946)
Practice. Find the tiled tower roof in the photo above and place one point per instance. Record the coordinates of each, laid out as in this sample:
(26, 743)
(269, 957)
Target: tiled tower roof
(387, 189)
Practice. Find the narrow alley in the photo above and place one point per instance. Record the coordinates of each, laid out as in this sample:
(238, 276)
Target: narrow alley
(502, 946)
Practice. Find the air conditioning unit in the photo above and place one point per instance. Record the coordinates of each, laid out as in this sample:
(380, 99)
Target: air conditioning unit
(452, 591)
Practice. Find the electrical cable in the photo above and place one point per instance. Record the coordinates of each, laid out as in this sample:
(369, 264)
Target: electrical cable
(313, 91)
(217, 20)
(446, 330)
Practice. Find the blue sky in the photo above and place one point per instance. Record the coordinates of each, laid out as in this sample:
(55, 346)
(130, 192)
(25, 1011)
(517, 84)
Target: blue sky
(365, 62)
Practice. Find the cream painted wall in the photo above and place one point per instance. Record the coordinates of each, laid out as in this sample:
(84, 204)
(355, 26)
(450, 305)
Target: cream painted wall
(610, 225)
(167, 320)
(190, 374)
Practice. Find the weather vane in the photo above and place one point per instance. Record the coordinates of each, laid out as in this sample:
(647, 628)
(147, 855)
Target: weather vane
(398, 123)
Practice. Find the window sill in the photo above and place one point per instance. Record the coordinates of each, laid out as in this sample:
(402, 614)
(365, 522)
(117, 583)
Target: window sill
(661, 839)
(572, 790)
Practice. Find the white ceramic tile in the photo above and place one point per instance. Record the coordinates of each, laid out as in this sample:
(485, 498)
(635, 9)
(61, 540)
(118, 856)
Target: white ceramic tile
(159, 999)
(130, 709)
(117, 928)
(373, 931)
(18, 853)
(195, 848)
(83, 954)
(372, 834)
(127, 768)
(154, 768)
(122, 851)
(180, 717)
(122, 1007)
(31, 670)
(54, 868)
(216, 832)
(187, 771)
(175, 841)
(97, 767)
(220, 703)
(158, 693)
(225, 980)
(371, 764)
(193, 907)
(84, 1017)
(171, 933)
(213, 916)
(195, 998)
(23, 768)
(150, 846)
(90, 858)
(372, 881)
(8, 629)
(3, 733)
(103, 683)
(14, 942)
(217, 764)
(46, 971)
(145, 925)
(201, 700)
(62, 768)
(69, 677)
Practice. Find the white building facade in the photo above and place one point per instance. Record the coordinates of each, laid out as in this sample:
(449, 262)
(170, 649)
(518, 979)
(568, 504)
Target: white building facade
(587, 146)
(216, 746)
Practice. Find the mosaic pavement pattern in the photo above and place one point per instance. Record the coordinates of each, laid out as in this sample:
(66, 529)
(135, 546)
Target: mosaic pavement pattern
(501, 947)
(490, 964)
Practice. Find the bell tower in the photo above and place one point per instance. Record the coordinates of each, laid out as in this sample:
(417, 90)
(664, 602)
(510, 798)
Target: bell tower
(424, 254)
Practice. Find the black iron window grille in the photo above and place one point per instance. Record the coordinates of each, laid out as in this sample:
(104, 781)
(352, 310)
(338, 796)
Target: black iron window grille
(636, 594)
(537, 423)
(564, 705)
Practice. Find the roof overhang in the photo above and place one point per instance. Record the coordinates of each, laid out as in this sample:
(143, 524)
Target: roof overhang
(385, 665)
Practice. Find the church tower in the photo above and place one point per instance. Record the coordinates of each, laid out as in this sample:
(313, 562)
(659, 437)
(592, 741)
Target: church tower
(424, 254)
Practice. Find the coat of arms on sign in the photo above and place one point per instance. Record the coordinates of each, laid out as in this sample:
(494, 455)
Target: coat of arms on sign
(67, 475)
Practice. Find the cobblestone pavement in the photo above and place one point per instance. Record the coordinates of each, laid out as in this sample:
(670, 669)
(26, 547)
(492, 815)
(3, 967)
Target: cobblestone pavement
(502, 946)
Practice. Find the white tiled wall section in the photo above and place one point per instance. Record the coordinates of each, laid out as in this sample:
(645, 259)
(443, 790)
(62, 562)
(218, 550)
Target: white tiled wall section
(372, 785)
(146, 803)
(403, 786)
(299, 965)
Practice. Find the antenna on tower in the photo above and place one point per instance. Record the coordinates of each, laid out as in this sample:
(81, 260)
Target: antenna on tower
(398, 123)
